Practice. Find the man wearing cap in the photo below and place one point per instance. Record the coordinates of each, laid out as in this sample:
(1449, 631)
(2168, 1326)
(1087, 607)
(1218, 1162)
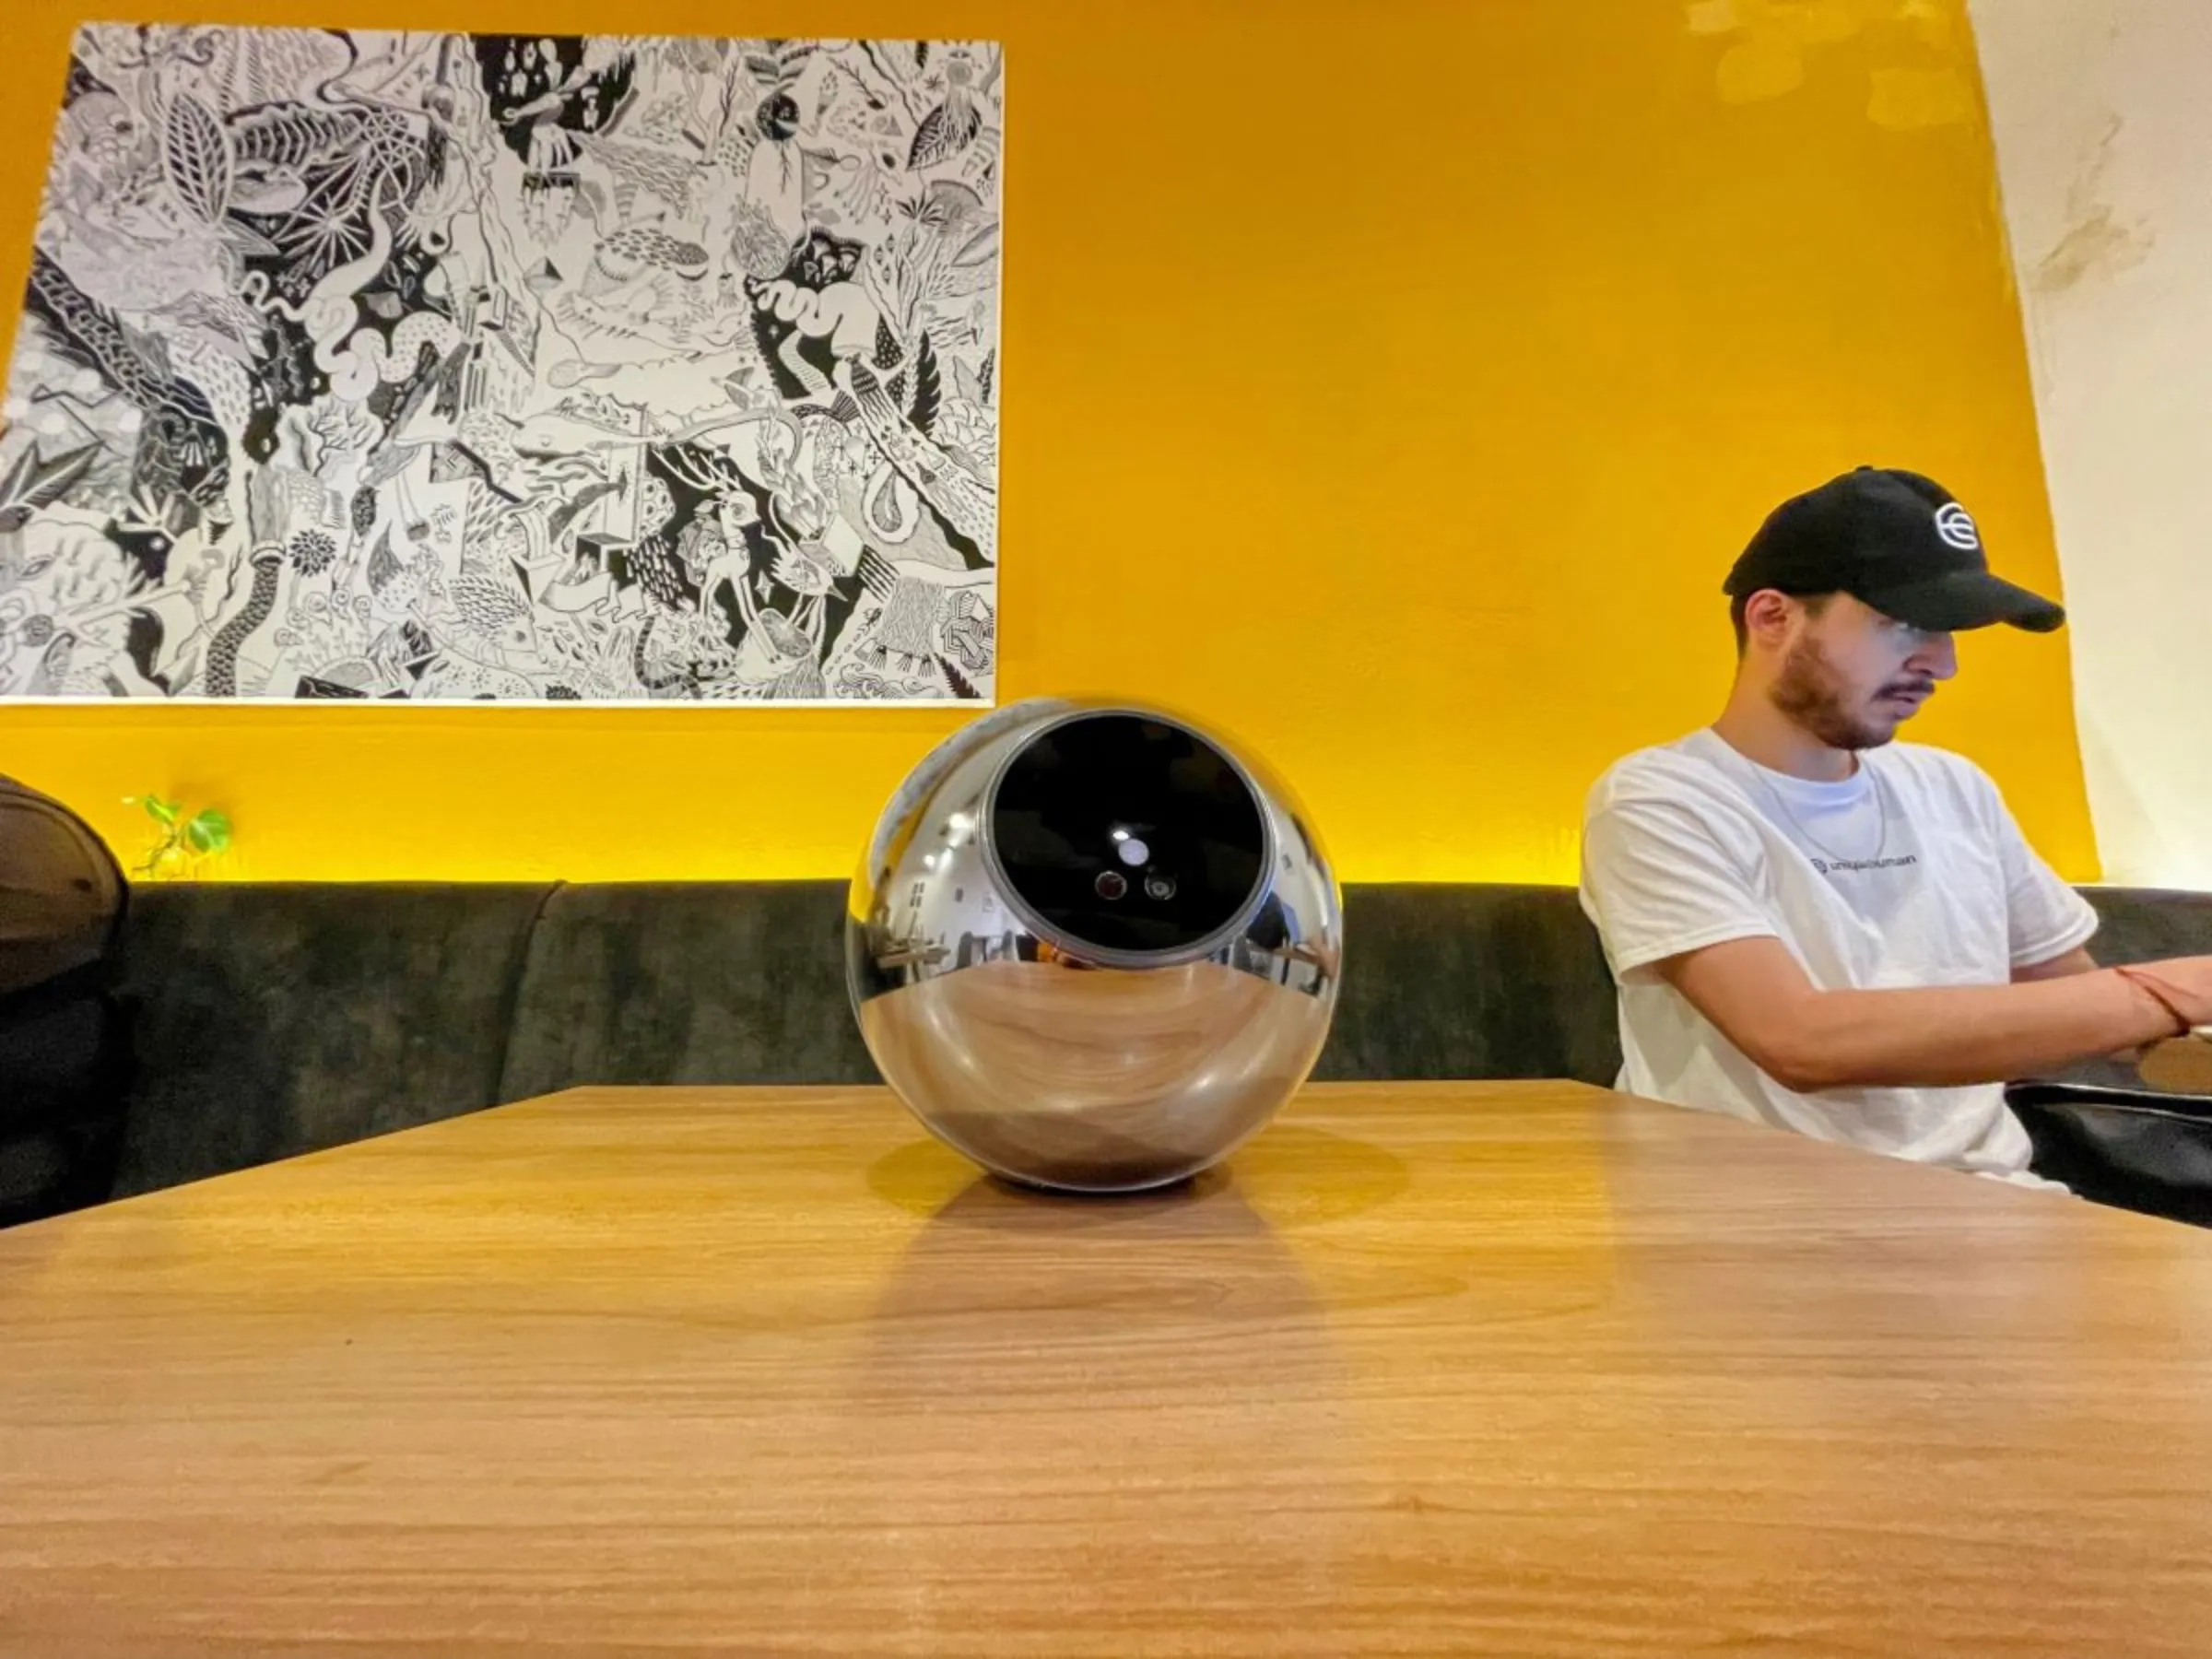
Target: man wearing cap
(1816, 927)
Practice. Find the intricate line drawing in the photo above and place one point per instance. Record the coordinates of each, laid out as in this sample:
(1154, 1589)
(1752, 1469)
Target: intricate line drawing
(442, 368)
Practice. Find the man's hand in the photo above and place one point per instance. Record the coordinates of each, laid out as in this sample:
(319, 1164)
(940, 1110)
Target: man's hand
(2183, 983)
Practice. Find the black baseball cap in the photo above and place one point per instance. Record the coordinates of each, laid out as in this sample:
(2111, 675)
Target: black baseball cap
(1894, 540)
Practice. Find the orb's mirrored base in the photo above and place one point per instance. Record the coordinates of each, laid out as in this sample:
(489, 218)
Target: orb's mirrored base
(1095, 1080)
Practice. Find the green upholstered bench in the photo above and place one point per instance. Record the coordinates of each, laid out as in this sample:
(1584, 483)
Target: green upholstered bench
(270, 1020)
(273, 1019)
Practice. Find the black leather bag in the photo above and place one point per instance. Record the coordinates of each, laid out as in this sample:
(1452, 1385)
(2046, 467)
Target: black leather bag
(64, 1033)
(2135, 1148)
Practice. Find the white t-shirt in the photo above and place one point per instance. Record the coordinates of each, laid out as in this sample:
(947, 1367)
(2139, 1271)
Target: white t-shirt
(1910, 873)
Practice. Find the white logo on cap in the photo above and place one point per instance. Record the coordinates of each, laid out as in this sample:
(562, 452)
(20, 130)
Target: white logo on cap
(1956, 526)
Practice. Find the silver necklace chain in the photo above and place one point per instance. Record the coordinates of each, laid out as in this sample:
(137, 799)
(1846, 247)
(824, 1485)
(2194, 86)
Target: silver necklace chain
(1881, 804)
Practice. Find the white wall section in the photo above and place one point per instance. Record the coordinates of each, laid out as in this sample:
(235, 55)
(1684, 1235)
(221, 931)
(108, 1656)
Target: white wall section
(2101, 111)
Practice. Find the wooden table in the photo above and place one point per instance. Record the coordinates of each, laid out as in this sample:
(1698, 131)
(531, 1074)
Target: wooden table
(1498, 1369)
(2182, 1066)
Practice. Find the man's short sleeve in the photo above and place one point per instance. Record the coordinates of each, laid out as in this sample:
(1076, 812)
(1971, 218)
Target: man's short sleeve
(1659, 879)
(2047, 917)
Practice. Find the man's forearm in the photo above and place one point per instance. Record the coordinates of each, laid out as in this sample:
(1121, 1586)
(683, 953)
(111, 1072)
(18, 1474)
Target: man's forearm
(1951, 1036)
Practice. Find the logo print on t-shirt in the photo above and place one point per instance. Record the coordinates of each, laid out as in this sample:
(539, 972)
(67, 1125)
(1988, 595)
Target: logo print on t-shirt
(1956, 526)
(1840, 866)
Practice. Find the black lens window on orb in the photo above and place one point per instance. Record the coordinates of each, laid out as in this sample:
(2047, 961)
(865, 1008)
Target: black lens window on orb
(1128, 833)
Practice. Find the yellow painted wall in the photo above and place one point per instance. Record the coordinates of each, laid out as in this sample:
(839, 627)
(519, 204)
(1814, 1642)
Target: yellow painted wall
(1392, 384)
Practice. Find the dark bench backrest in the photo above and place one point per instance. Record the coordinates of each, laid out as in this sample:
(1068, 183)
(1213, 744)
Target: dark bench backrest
(734, 981)
(275, 1019)
(1471, 981)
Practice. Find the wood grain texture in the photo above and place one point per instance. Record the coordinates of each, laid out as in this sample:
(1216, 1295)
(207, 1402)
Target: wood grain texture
(2181, 1066)
(1517, 1369)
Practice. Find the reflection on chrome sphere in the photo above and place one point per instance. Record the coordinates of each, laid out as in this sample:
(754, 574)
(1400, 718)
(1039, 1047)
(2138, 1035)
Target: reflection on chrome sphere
(1093, 947)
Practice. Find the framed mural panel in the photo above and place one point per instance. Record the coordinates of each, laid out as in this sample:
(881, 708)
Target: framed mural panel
(450, 368)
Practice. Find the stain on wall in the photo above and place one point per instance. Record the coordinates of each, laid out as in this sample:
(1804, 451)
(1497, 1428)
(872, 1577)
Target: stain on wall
(2097, 243)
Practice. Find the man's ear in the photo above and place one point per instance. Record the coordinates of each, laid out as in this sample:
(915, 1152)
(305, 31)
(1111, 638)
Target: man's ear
(1768, 616)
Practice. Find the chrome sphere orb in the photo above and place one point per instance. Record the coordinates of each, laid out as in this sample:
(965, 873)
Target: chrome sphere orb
(1091, 946)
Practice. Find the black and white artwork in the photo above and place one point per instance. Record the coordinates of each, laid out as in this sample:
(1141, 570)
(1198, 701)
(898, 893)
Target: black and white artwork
(453, 368)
